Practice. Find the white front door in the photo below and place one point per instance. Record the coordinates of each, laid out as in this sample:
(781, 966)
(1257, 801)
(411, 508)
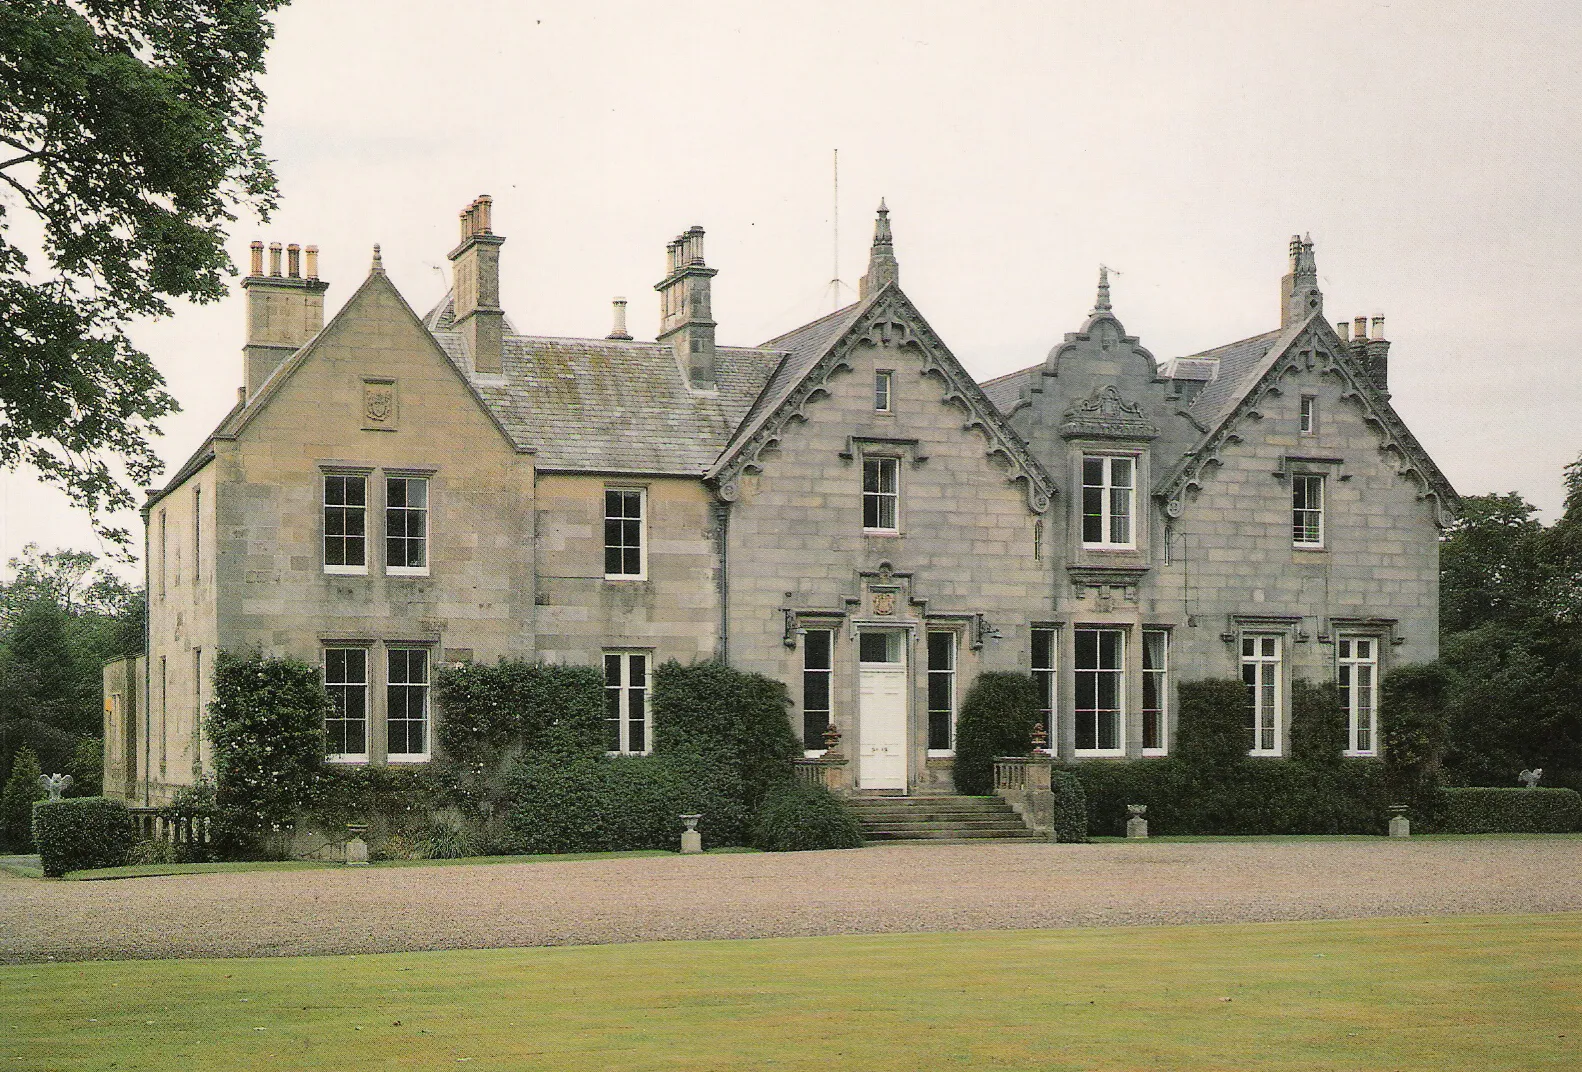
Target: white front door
(882, 691)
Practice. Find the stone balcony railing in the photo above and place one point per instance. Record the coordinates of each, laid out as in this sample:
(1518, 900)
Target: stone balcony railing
(1023, 782)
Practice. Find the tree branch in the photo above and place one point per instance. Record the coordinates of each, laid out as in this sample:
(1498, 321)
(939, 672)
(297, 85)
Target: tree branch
(27, 195)
(24, 158)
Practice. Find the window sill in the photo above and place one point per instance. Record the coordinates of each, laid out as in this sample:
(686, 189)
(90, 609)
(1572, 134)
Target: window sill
(814, 753)
(393, 760)
(1310, 548)
(1349, 754)
(346, 571)
(1098, 753)
(347, 760)
(1110, 547)
(1155, 753)
(406, 571)
(627, 755)
(1265, 755)
(941, 753)
(881, 532)
(626, 576)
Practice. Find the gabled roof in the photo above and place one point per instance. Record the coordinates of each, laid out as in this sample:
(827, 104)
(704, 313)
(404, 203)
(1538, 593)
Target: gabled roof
(814, 352)
(608, 405)
(1251, 376)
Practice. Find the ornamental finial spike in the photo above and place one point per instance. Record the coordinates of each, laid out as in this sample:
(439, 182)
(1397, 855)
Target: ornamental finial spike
(379, 261)
(1103, 303)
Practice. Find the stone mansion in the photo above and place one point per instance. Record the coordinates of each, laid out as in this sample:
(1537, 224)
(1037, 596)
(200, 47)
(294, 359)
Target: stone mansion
(842, 508)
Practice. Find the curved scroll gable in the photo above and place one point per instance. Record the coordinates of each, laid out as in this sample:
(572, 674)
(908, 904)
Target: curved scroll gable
(892, 320)
(1103, 331)
(1309, 351)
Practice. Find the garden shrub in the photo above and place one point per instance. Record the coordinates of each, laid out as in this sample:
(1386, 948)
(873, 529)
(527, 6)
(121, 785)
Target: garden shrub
(1413, 731)
(997, 719)
(87, 767)
(600, 804)
(1071, 807)
(1212, 727)
(81, 833)
(1255, 796)
(1509, 811)
(493, 712)
(741, 718)
(16, 802)
(1319, 732)
(796, 817)
(266, 727)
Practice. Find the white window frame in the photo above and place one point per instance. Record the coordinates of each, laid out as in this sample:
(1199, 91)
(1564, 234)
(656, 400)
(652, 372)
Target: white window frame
(1117, 674)
(1048, 679)
(1359, 700)
(1307, 415)
(1107, 515)
(1266, 702)
(325, 506)
(642, 532)
(947, 676)
(884, 391)
(815, 746)
(424, 690)
(1304, 535)
(1160, 676)
(331, 686)
(621, 690)
(422, 539)
(882, 463)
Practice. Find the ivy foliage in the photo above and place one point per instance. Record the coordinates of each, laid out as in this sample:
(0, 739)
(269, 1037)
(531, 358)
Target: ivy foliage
(997, 719)
(494, 712)
(130, 132)
(1414, 732)
(1213, 731)
(266, 727)
(736, 717)
(1319, 731)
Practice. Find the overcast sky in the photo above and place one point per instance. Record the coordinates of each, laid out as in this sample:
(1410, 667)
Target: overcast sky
(1431, 149)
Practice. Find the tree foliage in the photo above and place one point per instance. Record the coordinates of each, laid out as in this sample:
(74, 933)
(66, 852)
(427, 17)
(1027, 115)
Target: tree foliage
(997, 719)
(129, 131)
(61, 619)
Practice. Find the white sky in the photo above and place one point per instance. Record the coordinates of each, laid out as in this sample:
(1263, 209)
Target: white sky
(1432, 150)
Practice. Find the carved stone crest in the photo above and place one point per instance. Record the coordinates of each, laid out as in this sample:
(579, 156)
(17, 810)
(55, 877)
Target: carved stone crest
(379, 405)
(884, 602)
(1106, 414)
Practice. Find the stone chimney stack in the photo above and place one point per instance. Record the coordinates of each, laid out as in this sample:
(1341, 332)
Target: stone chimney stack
(283, 311)
(618, 332)
(1300, 297)
(1377, 351)
(686, 319)
(882, 266)
(475, 287)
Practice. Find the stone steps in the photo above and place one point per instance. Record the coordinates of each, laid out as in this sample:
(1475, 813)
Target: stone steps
(938, 819)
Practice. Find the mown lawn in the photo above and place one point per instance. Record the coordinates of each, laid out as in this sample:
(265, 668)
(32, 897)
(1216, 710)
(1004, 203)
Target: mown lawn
(1485, 993)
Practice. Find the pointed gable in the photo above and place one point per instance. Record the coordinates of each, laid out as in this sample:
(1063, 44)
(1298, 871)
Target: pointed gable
(1308, 345)
(818, 351)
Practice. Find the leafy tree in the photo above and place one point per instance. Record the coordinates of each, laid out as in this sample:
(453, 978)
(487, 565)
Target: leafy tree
(22, 788)
(1492, 564)
(129, 130)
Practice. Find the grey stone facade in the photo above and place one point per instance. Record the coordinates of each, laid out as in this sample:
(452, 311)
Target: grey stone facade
(842, 508)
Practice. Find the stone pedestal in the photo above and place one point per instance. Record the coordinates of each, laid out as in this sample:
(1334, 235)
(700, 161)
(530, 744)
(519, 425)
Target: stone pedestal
(691, 840)
(357, 853)
(1136, 827)
(1400, 826)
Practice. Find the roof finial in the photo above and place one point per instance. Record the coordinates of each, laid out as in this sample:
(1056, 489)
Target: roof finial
(379, 264)
(882, 266)
(1103, 303)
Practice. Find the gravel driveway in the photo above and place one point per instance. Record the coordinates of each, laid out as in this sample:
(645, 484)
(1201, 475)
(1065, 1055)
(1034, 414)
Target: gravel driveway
(883, 888)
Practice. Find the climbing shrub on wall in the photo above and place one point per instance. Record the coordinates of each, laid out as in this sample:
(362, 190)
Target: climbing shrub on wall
(1318, 722)
(266, 728)
(736, 717)
(493, 712)
(1413, 730)
(997, 719)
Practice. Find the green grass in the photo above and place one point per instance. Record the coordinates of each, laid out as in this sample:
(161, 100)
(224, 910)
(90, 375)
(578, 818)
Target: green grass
(1483, 993)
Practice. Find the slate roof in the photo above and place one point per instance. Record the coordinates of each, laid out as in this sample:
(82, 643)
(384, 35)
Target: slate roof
(605, 405)
(1005, 391)
(1239, 364)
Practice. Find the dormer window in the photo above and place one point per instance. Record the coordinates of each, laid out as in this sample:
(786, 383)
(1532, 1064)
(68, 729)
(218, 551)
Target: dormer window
(881, 390)
(1109, 490)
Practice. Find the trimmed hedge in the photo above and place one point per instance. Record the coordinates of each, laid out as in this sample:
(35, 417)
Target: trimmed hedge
(1255, 796)
(1319, 732)
(1212, 729)
(82, 833)
(796, 817)
(598, 804)
(1071, 806)
(490, 712)
(1509, 811)
(997, 719)
(740, 718)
